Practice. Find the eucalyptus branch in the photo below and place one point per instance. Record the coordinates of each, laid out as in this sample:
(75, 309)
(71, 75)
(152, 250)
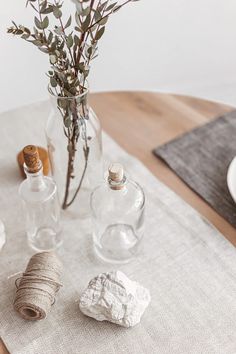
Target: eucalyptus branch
(70, 47)
(66, 41)
(115, 9)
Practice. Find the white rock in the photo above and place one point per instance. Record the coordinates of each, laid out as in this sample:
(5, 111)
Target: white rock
(114, 297)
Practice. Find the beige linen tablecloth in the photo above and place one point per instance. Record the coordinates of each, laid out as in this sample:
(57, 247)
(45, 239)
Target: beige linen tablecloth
(188, 266)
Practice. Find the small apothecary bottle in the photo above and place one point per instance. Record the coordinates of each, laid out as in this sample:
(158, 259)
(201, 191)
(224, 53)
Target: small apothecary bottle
(118, 217)
(41, 204)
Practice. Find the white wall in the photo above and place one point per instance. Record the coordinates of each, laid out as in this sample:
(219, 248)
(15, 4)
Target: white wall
(183, 46)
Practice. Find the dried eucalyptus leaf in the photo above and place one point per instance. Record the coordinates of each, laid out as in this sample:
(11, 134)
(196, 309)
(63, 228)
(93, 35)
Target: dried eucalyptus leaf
(76, 40)
(38, 23)
(69, 41)
(57, 12)
(67, 121)
(36, 42)
(26, 30)
(103, 21)
(91, 50)
(43, 6)
(53, 82)
(53, 46)
(18, 31)
(62, 103)
(50, 37)
(68, 23)
(97, 15)
(69, 147)
(45, 23)
(86, 11)
(99, 33)
(44, 50)
(110, 7)
(102, 6)
(94, 27)
(78, 29)
(79, 8)
(25, 36)
(117, 8)
(77, 20)
(53, 59)
(85, 73)
(48, 10)
(58, 53)
(86, 23)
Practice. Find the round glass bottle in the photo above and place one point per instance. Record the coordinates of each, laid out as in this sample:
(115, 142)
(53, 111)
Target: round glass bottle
(41, 204)
(118, 217)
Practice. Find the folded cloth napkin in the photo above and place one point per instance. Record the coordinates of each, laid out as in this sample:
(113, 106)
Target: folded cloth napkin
(201, 159)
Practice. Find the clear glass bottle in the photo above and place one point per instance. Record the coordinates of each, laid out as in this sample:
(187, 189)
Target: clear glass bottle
(41, 204)
(118, 217)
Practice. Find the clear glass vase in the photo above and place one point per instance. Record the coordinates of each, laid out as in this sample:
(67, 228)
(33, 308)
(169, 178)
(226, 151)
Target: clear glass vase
(73, 135)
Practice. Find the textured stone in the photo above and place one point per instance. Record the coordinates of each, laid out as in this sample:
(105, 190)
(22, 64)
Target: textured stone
(114, 297)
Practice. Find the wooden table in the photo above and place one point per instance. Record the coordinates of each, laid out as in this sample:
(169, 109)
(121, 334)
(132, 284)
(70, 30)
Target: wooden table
(141, 121)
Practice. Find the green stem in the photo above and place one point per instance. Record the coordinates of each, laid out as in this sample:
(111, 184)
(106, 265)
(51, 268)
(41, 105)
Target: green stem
(80, 183)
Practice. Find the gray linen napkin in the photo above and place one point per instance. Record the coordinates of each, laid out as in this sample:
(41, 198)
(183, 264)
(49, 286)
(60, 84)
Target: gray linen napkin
(202, 157)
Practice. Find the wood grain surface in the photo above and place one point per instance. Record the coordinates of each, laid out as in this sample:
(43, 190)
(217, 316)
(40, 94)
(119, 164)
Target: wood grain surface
(141, 121)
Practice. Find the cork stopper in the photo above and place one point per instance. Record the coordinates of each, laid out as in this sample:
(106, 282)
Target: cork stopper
(43, 155)
(116, 176)
(31, 157)
(116, 172)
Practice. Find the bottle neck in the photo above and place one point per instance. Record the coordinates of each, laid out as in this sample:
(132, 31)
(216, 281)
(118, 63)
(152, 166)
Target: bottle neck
(36, 181)
(119, 185)
(77, 106)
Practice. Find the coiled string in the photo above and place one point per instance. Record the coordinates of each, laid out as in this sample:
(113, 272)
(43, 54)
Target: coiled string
(37, 287)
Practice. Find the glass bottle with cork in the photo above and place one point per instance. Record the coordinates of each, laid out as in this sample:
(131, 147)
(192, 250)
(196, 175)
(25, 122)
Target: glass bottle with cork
(118, 216)
(41, 204)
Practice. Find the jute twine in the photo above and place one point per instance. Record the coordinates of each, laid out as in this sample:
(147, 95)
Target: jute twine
(37, 287)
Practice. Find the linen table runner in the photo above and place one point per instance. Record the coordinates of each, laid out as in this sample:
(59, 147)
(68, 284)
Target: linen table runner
(201, 159)
(188, 266)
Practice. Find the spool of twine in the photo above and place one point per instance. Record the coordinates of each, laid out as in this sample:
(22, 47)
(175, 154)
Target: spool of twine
(37, 287)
